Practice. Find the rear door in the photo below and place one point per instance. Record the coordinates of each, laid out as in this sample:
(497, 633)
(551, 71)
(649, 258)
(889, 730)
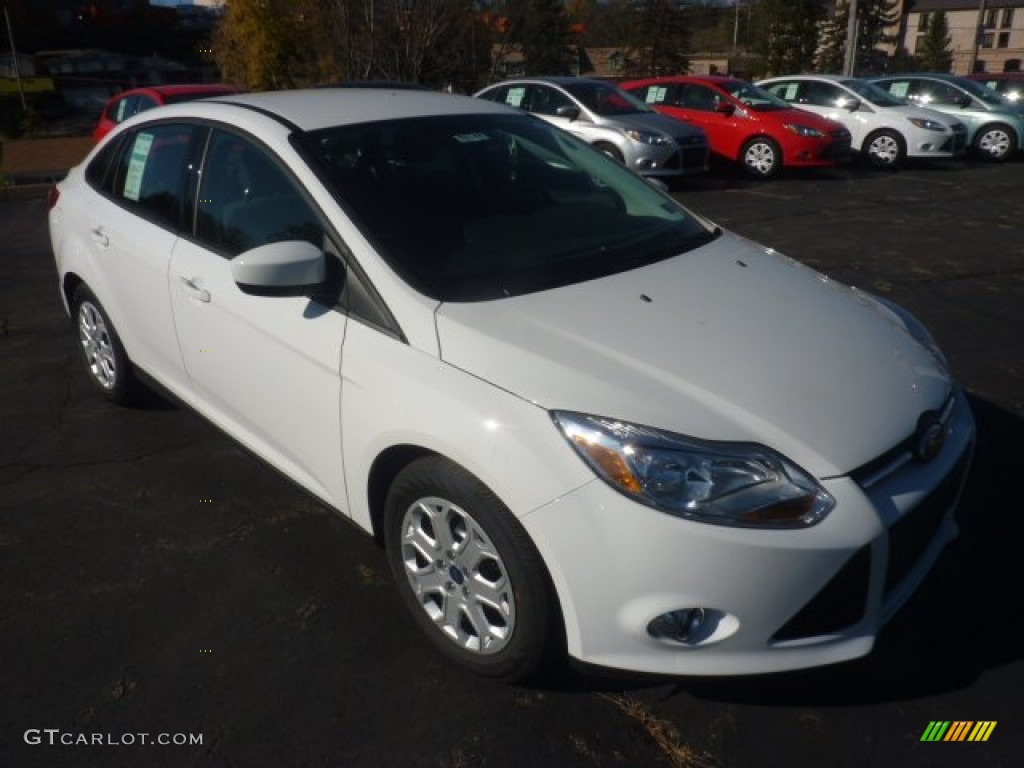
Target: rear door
(134, 222)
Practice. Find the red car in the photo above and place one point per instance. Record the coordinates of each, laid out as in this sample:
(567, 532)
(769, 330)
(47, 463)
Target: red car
(746, 124)
(128, 103)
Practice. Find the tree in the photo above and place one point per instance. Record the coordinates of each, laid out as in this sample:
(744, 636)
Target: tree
(788, 36)
(828, 56)
(543, 28)
(874, 18)
(934, 51)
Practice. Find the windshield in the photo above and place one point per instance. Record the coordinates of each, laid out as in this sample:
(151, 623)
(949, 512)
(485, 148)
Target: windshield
(606, 100)
(477, 207)
(753, 97)
(982, 92)
(874, 94)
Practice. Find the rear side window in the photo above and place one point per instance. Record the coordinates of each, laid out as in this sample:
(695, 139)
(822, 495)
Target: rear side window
(99, 172)
(247, 199)
(152, 173)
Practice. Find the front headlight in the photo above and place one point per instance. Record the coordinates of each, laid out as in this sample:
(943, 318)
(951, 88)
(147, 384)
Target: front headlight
(649, 137)
(737, 484)
(804, 130)
(928, 125)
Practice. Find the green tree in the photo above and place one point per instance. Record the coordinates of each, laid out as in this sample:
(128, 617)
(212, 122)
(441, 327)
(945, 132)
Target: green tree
(874, 20)
(788, 34)
(543, 28)
(828, 56)
(934, 51)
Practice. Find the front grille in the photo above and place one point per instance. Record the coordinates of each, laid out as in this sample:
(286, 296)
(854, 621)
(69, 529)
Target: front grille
(910, 536)
(839, 604)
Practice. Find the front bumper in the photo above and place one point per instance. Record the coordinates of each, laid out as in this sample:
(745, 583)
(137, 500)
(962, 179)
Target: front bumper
(776, 600)
(939, 145)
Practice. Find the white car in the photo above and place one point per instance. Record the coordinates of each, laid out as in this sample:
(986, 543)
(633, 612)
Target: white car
(886, 130)
(578, 415)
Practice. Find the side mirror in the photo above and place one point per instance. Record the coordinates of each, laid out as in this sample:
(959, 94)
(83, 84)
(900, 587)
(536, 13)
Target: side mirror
(288, 268)
(851, 105)
(568, 111)
(725, 108)
(964, 101)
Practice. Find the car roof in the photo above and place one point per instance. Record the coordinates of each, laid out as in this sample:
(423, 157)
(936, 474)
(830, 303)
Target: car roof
(316, 108)
(182, 89)
(554, 80)
(996, 76)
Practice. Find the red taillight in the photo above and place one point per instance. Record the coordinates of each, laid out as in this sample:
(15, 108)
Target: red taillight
(52, 195)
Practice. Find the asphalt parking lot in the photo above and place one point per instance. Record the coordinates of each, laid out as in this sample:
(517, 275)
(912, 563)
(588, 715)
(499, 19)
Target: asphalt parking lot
(156, 579)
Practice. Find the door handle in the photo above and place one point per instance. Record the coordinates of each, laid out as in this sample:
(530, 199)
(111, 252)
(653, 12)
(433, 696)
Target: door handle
(198, 293)
(100, 235)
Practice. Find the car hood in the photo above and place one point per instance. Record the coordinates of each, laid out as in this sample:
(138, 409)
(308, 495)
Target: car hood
(651, 121)
(728, 342)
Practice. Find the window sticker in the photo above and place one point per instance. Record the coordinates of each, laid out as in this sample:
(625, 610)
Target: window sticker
(789, 94)
(470, 138)
(656, 95)
(122, 107)
(899, 89)
(136, 165)
(515, 96)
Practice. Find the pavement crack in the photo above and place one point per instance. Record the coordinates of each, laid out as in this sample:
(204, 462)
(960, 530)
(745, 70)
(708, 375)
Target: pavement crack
(662, 732)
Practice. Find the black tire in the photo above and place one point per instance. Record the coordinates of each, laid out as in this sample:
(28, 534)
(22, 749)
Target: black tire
(611, 150)
(475, 584)
(106, 362)
(761, 157)
(885, 149)
(996, 142)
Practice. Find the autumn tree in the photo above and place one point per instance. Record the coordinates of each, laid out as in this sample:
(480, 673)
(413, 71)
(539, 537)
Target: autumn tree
(934, 50)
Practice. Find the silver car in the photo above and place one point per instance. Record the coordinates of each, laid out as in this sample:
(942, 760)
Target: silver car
(611, 120)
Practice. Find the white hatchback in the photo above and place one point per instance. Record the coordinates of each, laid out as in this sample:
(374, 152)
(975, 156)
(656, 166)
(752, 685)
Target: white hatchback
(579, 416)
(885, 129)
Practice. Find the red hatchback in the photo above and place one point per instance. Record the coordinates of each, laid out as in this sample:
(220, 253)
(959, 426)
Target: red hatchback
(746, 124)
(128, 103)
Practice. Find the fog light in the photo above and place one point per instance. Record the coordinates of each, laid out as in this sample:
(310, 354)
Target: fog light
(681, 625)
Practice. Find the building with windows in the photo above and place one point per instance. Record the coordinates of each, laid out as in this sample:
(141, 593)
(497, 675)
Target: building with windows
(986, 37)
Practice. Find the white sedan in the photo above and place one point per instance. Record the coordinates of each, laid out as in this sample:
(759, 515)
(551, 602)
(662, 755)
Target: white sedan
(580, 417)
(886, 130)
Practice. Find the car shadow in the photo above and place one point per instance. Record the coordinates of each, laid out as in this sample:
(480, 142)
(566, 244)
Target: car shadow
(964, 620)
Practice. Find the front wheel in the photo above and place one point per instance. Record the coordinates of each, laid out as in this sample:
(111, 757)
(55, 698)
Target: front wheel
(996, 142)
(885, 149)
(105, 359)
(467, 570)
(611, 151)
(761, 157)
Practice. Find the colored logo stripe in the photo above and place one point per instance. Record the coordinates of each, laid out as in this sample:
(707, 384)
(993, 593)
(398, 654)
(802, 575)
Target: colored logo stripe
(935, 730)
(958, 730)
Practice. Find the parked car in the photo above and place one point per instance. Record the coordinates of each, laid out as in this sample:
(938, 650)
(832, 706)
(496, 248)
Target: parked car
(744, 124)
(1009, 85)
(885, 129)
(608, 118)
(994, 127)
(131, 102)
(573, 411)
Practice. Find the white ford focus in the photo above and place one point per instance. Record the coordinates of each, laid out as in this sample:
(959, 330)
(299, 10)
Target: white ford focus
(578, 415)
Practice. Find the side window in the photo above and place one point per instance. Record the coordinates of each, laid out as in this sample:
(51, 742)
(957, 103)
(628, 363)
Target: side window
(700, 98)
(99, 173)
(899, 88)
(821, 95)
(144, 103)
(546, 101)
(940, 93)
(152, 174)
(246, 199)
(656, 94)
(787, 91)
(122, 109)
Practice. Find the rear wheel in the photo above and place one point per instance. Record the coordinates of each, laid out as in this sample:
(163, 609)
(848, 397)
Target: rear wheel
(761, 157)
(105, 360)
(996, 142)
(885, 149)
(467, 570)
